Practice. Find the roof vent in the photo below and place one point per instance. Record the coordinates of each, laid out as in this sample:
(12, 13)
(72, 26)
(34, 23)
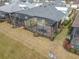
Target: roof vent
(6, 3)
(21, 5)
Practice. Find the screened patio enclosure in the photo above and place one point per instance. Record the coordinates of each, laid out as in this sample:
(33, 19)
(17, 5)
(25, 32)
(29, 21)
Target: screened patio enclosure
(38, 25)
(18, 20)
(3, 16)
(44, 19)
(41, 26)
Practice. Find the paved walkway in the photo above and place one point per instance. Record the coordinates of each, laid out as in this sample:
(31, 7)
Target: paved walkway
(40, 44)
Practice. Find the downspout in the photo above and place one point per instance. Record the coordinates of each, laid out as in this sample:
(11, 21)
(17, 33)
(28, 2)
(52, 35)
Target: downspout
(10, 17)
(12, 20)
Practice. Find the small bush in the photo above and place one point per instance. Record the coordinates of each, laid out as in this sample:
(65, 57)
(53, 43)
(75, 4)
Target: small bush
(66, 22)
(73, 50)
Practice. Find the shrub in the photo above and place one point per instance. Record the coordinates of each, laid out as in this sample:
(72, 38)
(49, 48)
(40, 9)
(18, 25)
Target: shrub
(66, 22)
(69, 30)
(73, 50)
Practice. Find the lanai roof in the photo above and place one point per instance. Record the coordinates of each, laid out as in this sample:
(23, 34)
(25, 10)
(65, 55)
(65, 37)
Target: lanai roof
(46, 11)
(76, 22)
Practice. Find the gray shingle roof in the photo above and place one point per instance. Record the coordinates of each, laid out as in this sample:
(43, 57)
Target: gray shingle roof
(16, 7)
(59, 1)
(10, 8)
(48, 11)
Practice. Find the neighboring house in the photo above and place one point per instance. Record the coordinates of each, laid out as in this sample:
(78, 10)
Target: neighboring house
(74, 38)
(45, 19)
(14, 7)
(4, 2)
(6, 10)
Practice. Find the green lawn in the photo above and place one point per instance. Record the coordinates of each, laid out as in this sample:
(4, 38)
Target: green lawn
(10, 49)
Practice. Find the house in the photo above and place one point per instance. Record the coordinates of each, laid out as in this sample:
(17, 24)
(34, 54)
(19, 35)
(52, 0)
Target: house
(75, 33)
(44, 20)
(72, 41)
(41, 18)
(6, 10)
(6, 7)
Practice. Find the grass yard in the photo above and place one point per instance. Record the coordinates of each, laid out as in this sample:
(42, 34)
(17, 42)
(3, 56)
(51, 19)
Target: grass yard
(11, 49)
(16, 50)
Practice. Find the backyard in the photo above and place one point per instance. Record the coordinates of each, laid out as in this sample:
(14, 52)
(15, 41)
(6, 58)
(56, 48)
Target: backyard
(11, 49)
(40, 44)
